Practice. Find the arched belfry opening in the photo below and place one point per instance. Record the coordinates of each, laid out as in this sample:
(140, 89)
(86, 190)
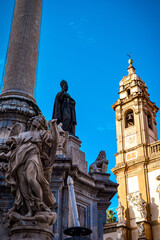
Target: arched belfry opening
(128, 92)
(129, 118)
(149, 120)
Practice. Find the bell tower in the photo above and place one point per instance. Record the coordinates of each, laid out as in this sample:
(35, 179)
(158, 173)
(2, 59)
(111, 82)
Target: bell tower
(135, 115)
(136, 131)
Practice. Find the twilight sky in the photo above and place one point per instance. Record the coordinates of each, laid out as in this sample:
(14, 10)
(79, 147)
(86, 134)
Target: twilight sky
(85, 42)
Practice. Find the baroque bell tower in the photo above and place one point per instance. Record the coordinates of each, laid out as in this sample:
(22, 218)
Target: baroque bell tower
(136, 143)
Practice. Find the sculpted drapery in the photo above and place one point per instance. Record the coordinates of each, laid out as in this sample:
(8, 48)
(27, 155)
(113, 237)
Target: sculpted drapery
(27, 156)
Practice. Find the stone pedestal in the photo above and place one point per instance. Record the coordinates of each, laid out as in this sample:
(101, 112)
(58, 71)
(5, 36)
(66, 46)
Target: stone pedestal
(104, 177)
(78, 157)
(31, 232)
(92, 195)
(38, 227)
(6, 202)
(122, 231)
(144, 230)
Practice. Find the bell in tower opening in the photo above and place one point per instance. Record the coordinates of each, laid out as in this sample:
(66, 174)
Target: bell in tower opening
(129, 119)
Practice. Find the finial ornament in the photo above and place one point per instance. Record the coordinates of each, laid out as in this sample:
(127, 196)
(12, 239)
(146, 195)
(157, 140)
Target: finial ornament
(130, 61)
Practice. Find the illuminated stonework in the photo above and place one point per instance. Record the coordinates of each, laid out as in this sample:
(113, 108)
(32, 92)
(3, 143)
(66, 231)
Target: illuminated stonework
(138, 155)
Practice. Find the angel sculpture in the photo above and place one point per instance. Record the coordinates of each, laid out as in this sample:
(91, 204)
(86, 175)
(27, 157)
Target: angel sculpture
(30, 154)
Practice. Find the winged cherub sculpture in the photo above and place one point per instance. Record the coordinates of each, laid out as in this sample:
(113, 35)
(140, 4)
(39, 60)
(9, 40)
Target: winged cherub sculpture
(31, 155)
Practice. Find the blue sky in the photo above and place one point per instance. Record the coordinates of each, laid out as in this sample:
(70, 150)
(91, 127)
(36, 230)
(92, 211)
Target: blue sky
(85, 42)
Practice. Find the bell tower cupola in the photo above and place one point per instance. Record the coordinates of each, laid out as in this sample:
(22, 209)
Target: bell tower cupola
(132, 84)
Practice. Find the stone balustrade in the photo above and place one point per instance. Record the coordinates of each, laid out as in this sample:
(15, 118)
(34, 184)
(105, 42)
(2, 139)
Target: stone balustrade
(154, 148)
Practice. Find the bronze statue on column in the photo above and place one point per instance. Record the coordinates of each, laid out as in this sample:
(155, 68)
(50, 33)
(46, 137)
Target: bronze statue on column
(64, 109)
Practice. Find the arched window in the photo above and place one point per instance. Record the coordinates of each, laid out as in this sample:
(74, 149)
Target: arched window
(149, 120)
(129, 119)
(128, 92)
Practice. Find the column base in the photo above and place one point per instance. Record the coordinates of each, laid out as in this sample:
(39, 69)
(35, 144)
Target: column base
(31, 233)
(38, 227)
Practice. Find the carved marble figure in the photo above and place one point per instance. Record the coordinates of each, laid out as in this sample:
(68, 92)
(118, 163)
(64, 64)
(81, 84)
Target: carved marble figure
(158, 187)
(29, 155)
(120, 213)
(100, 165)
(136, 200)
(141, 207)
(64, 109)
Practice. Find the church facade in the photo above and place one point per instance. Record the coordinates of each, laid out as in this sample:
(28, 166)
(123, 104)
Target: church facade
(137, 162)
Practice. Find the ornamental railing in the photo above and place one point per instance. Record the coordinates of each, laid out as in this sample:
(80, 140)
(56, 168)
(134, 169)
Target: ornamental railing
(154, 147)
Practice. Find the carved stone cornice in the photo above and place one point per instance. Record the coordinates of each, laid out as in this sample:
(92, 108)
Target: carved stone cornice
(131, 149)
(110, 227)
(130, 164)
(19, 105)
(137, 96)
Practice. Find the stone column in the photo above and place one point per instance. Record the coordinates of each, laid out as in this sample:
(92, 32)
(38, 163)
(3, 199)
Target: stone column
(23, 49)
(17, 103)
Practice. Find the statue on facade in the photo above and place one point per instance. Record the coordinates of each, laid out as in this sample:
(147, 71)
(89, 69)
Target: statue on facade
(120, 213)
(141, 206)
(64, 109)
(29, 158)
(158, 187)
(136, 200)
(100, 165)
